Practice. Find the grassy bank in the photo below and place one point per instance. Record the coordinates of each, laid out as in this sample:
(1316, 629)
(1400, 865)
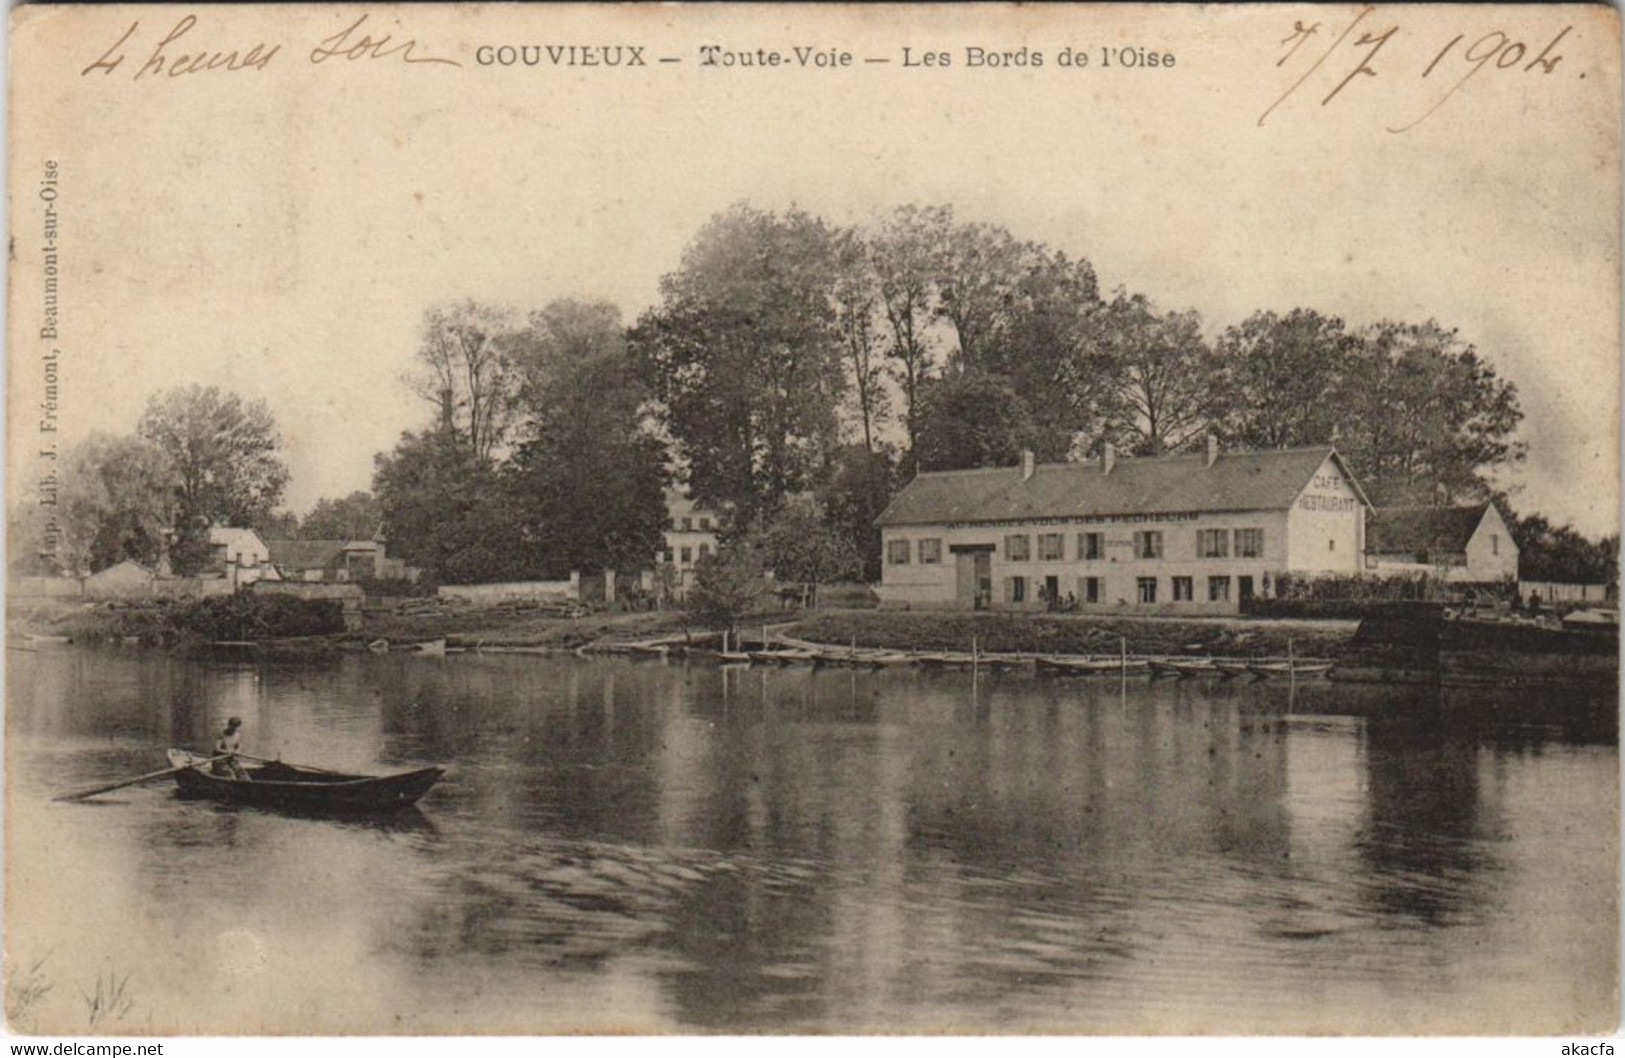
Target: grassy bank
(500, 626)
(1075, 634)
(154, 624)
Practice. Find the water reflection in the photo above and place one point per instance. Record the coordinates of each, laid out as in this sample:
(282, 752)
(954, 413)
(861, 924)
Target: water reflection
(651, 846)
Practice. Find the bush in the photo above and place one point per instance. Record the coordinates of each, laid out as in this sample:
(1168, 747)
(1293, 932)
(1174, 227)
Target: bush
(249, 616)
(727, 585)
(1357, 587)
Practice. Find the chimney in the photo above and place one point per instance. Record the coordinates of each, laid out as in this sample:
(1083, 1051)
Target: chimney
(1026, 464)
(1212, 449)
(1108, 457)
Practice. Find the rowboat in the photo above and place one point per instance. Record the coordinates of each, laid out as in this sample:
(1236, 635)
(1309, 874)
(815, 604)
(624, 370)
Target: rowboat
(946, 660)
(1229, 669)
(273, 784)
(1298, 669)
(1092, 666)
(1183, 669)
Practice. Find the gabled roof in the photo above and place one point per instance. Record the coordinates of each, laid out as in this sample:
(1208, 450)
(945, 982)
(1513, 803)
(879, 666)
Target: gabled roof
(1237, 481)
(230, 534)
(118, 567)
(1412, 530)
(305, 554)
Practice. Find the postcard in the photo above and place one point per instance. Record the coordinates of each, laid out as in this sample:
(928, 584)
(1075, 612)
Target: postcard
(829, 519)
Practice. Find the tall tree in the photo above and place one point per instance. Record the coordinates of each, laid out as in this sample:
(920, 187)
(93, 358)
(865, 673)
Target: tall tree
(980, 267)
(1284, 378)
(907, 253)
(744, 357)
(588, 482)
(446, 511)
(223, 453)
(463, 368)
(1427, 417)
(1044, 344)
(860, 484)
(353, 517)
(857, 304)
(1163, 375)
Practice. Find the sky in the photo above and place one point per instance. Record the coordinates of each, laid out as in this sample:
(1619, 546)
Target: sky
(280, 231)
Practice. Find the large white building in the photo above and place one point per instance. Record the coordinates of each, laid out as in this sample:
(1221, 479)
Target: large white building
(1183, 534)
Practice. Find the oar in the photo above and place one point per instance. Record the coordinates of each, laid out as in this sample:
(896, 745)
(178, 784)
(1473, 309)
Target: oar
(79, 795)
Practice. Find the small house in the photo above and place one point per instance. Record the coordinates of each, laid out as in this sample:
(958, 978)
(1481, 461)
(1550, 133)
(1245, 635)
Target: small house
(1464, 545)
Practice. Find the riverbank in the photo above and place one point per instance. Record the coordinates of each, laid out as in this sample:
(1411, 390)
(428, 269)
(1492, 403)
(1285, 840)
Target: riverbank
(1075, 633)
(510, 627)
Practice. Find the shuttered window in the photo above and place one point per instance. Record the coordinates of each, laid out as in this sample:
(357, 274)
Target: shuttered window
(897, 552)
(1213, 543)
(1051, 547)
(1018, 547)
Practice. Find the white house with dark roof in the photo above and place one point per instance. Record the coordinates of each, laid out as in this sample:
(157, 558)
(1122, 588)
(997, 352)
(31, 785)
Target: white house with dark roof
(1457, 544)
(1191, 533)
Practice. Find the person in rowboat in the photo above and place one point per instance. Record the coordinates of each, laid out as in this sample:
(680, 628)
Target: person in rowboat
(230, 743)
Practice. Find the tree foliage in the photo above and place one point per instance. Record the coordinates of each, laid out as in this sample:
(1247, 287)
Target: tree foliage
(800, 548)
(465, 370)
(446, 511)
(353, 517)
(1163, 375)
(587, 485)
(744, 357)
(1285, 379)
(116, 502)
(972, 418)
(1551, 552)
(1427, 418)
(727, 585)
(223, 453)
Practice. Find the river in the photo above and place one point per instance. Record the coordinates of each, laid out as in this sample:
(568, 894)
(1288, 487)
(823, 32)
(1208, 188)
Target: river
(651, 846)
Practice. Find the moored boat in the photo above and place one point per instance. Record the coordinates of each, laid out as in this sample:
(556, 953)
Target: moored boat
(1298, 669)
(1183, 668)
(273, 784)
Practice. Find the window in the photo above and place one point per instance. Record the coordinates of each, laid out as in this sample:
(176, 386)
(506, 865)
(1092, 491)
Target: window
(1089, 546)
(1249, 543)
(687, 555)
(1147, 588)
(897, 552)
(705, 525)
(1183, 589)
(1495, 543)
(1148, 544)
(674, 525)
(1018, 588)
(1218, 589)
(688, 524)
(1331, 545)
(1213, 543)
(1017, 548)
(670, 555)
(930, 552)
(1091, 589)
(705, 549)
(1051, 547)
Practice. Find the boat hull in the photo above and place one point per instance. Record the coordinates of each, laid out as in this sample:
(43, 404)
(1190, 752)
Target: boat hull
(308, 790)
